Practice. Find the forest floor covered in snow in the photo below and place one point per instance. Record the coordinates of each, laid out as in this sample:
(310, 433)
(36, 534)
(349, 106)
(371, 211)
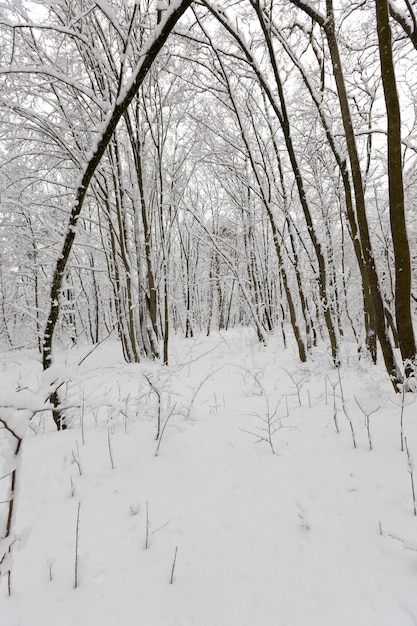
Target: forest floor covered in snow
(250, 509)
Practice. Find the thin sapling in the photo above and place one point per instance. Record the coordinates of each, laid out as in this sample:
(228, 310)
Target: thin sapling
(411, 472)
(174, 562)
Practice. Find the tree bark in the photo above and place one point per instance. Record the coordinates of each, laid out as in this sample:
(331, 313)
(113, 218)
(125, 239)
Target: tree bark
(404, 322)
(408, 26)
(120, 106)
(372, 286)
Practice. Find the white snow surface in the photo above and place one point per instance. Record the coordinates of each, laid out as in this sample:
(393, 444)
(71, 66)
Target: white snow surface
(317, 534)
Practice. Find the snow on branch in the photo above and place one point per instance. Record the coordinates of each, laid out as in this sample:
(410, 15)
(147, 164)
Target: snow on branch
(45, 70)
(105, 133)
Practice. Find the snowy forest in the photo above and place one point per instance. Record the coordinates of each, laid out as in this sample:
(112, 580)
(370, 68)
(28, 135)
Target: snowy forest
(208, 241)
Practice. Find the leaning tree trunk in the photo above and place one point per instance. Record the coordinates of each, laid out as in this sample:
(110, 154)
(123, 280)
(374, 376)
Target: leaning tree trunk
(284, 120)
(280, 110)
(404, 322)
(139, 74)
(371, 287)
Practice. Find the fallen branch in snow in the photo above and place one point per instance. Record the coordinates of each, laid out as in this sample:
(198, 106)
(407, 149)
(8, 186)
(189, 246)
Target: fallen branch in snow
(407, 545)
(76, 458)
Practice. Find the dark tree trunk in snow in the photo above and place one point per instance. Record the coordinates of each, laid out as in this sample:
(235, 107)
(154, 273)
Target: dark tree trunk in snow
(371, 281)
(396, 191)
(150, 53)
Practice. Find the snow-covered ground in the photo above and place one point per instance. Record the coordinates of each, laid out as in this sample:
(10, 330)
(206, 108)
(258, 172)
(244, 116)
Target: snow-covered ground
(253, 510)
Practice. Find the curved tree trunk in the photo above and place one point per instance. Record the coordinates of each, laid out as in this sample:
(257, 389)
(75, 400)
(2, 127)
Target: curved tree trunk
(149, 55)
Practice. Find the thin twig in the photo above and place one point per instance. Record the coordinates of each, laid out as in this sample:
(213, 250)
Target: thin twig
(411, 472)
(158, 394)
(147, 528)
(110, 448)
(163, 428)
(77, 535)
(367, 415)
(173, 566)
(345, 409)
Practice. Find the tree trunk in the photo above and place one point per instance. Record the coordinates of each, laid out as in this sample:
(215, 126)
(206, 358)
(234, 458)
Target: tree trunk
(404, 322)
(119, 108)
(371, 284)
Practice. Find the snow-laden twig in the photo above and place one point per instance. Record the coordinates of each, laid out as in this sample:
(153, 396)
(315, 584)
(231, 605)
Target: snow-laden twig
(402, 406)
(147, 527)
(174, 562)
(298, 382)
(158, 395)
(272, 424)
(333, 386)
(110, 448)
(411, 472)
(7, 541)
(17, 410)
(77, 539)
(345, 411)
(367, 414)
(164, 427)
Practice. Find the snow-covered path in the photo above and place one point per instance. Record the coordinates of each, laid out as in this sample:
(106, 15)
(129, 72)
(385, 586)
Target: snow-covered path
(317, 534)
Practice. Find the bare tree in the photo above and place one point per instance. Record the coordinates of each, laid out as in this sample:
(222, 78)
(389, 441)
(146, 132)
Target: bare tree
(126, 93)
